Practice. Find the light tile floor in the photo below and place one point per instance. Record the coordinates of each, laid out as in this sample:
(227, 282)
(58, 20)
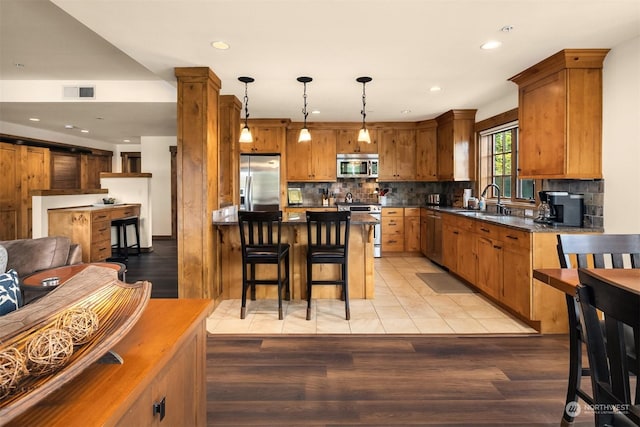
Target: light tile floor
(403, 304)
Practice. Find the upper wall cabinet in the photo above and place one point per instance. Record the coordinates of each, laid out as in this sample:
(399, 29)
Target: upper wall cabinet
(348, 142)
(314, 160)
(397, 155)
(456, 146)
(560, 116)
(268, 136)
(427, 151)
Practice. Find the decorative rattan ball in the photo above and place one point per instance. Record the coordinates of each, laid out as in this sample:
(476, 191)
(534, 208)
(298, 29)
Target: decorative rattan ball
(12, 369)
(80, 322)
(48, 350)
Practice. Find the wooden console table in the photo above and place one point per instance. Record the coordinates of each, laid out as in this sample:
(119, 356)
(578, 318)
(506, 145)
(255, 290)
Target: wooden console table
(90, 226)
(164, 371)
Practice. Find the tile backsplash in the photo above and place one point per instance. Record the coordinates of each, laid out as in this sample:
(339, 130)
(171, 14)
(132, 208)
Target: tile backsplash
(415, 193)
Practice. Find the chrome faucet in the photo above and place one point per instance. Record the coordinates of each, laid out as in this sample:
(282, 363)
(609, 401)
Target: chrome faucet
(500, 208)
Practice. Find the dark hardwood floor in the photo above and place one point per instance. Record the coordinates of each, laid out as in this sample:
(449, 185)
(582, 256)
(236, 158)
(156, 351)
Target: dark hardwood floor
(160, 267)
(387, 381)
(381, 380)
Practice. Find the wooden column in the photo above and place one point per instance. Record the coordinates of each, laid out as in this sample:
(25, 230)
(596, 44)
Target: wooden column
(197, 179)
(229, 149)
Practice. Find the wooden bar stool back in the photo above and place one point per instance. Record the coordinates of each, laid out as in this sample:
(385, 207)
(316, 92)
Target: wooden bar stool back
(328, 243)
(261, 241)
(595, 251)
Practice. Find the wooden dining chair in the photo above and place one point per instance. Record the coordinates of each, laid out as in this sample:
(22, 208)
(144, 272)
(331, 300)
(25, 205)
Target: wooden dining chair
(608, 347)
(328, 243)
(583, 251)
(261, 241)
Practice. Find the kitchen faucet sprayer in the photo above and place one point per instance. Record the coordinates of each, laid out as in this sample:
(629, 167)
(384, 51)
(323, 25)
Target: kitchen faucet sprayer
(500, 208)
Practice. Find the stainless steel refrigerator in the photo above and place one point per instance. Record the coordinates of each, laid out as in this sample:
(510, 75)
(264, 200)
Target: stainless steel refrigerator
(259, 182)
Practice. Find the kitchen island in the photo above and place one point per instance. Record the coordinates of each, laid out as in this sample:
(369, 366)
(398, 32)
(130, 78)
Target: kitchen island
(294, 232)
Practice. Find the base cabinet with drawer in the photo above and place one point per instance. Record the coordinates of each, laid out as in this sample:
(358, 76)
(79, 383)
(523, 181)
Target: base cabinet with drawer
(392, 226)
(90, 227)
(499, 261)
(162, 381)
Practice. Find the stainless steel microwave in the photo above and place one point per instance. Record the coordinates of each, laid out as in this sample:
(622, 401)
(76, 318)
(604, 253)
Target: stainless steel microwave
(357, 165)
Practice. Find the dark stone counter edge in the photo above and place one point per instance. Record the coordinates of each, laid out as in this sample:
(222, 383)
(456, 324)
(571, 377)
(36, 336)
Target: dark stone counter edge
(357, 218)
(515, 222)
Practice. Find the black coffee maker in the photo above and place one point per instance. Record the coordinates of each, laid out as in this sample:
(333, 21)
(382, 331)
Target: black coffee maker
(566, 209)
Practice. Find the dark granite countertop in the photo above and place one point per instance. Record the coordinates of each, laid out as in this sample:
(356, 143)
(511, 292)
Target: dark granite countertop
(516, 222)
(357, 218)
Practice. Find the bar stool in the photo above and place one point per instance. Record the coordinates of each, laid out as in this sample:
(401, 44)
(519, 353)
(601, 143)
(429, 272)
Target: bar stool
(328, 243)
(122, 246)
(260, 246)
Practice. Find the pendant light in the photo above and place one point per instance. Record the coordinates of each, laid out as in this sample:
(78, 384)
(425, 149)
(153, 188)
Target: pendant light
(305, 136)
(363, 135)
(245, 134)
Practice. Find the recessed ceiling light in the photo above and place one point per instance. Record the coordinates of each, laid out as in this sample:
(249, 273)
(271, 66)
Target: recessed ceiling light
(34, 119)
(435, 89)
(84, 131)
(219, 44)
(315, 112)
(126, 140)
(405, 111)
(507, 28)
(491, 44)
(69, 126)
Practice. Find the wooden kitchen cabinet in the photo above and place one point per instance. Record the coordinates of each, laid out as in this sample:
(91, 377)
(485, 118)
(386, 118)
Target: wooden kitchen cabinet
(314, 160)
(427, 151)
(412, 229)
(268, 137)
(397, 155)
(517, 272)
(459, 246)
(505, 258)
(90, 227)
(431, 235)
(347, 142)
(164, 358)
(24, 168)
(560, 116)
(456, 145)
(392, 225)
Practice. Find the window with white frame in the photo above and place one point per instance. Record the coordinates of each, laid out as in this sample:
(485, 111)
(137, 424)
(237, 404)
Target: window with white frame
(498, 164)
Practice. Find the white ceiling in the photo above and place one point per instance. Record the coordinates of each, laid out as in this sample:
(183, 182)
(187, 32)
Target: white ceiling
(407, 46)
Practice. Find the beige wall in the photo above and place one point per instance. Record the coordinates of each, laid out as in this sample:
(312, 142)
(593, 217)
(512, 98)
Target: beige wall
(621, 138)
(156, 159)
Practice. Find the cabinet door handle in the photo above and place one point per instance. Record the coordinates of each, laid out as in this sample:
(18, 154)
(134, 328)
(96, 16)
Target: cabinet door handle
(455, 232)
(512, 237)
(486, 230)
(159, 408)
(497, 247)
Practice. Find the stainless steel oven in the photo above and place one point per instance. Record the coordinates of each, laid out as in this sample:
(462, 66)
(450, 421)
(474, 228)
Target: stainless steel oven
(375, 210)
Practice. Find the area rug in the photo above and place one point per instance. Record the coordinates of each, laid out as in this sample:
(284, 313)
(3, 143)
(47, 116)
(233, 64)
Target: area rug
(444, 283)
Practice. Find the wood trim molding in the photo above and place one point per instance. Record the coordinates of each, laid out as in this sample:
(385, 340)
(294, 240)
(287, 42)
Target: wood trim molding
(497, 120)
(125, 175)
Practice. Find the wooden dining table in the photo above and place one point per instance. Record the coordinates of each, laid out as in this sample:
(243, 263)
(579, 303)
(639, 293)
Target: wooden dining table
(567, 281)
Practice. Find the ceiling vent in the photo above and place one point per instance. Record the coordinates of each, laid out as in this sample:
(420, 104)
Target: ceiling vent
(79, 92)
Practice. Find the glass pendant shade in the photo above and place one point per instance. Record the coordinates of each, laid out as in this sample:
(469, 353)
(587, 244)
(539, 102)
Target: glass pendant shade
(305, 136)
(245, 135)
(363, 136)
